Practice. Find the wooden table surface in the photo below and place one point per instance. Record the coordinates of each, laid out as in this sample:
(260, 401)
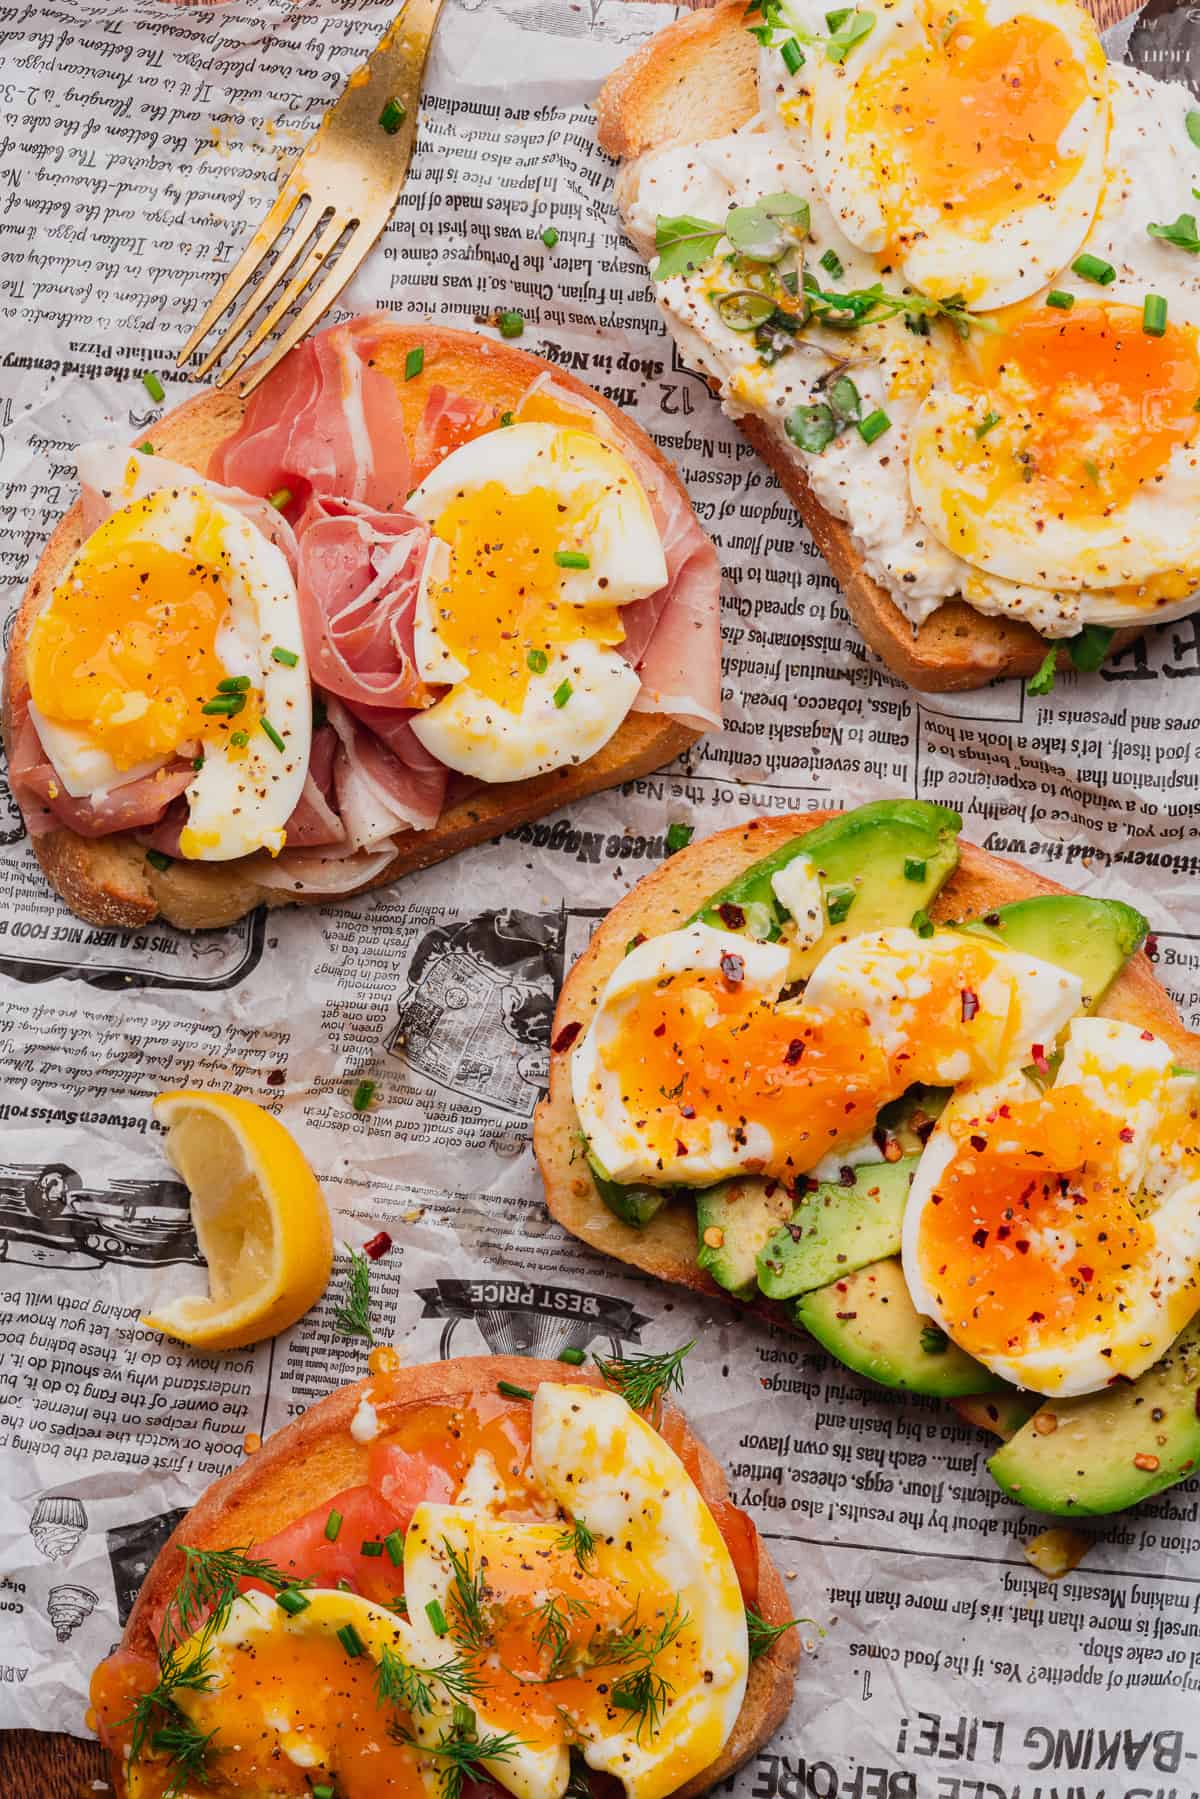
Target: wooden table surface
(39, 1765)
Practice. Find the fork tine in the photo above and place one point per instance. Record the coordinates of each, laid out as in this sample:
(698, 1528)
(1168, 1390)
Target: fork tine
(264, 238)
(300, 242)
(310, 265)
(318, 302)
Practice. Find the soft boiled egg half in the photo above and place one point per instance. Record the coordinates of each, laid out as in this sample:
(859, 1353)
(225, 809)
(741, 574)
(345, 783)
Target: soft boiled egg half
(175, 633)
(1063, 448)
(1055, 1235)
(964, 140)
(693, 1069)
(541, 534)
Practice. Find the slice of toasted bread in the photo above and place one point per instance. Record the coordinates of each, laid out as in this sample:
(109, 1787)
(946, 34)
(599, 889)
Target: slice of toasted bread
(697, 79)
(663, 901)
(307, 1462)
(109, 882)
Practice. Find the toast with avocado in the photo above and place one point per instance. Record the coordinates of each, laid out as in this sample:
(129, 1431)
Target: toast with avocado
(873, 1083)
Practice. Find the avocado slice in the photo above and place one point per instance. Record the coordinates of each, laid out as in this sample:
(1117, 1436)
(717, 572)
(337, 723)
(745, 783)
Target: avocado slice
(1091, 938)
(1001, 1413)
(1081, 1458)
(869, 1322)
(635, 1205)
(878, 866)
(733, 1222)
(838, 1228)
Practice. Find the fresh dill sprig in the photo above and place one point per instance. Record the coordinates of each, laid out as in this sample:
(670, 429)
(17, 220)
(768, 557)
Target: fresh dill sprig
(353, 1318)
(156, 1710)
(644, 1380)
(580, 1540)
(553, 1632)
(762, 1635)
(398, 1682)
(187, 1747)
(210, 1582)
(643, 1691)
(462, 1751)
(470, 1590)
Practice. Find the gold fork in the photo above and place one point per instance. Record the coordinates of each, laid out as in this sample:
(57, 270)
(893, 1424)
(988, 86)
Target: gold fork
(344, 184)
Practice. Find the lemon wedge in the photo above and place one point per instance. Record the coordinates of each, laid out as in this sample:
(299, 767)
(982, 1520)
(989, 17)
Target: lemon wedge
(260, 1216)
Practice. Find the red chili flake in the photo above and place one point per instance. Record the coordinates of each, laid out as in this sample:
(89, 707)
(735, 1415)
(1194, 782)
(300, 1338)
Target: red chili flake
(731, 915)
(634, 942)
(1037, 1317)
(377, 1246)
(793, 1052)
(1147, 1036)
(1151, 947)
(978, 1142)
(1087, 1274)
(970, 1005)
(845, 1175)
(992, 918)
(1125, 1134)
(1003, 1233)
(660, 1030)
(1197, 1407)
(566, 1037)
(733, 967)
(1005, 1111)
(845, 1315)
(980, 1239)
(1022, 1246)
(276, 1078)
(1038, 1052)
(680, 1148)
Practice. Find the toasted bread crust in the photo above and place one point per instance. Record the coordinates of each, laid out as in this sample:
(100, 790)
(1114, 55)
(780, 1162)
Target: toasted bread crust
(697, 79)
(108, 881)
(663, 901)
(310, 1460)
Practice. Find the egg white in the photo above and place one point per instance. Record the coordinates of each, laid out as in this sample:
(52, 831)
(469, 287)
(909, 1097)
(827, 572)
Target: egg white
(468, 730)
(1129, 1076)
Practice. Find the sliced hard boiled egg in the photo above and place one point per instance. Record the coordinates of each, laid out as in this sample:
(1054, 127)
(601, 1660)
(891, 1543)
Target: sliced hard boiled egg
(541, 533)
(1055, 1236)
(963, 140)
(174, 634)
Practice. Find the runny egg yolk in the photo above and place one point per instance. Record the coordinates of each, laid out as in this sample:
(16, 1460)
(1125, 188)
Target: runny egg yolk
(127, 648)
(1029, 1237)
(501, 605)
(966, 124)
(1090, 408)
(697, 1050)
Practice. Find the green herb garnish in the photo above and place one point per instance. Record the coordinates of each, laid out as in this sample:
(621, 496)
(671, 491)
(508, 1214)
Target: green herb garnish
(644, 1380)
(678, 837)
(393, 116)
(1043, 681)
(683, 243)
(1182, 233)
(353, 1317)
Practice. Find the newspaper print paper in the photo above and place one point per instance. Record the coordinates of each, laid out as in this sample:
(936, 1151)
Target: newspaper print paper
(140, 143)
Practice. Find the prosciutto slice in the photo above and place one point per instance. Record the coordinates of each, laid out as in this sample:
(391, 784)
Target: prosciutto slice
(46, 805)
(323, 423)
(379, 793)
(359, 571)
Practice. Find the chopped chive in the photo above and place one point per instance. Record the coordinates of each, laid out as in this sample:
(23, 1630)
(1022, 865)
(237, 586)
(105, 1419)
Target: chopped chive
(291, 1601)
(914, 869)
(197, 763)
(332, 1526)
(838, 901)
(575, 1357)
(792, 54)
(393, 116)
(510, 1391)
(372, 1546)
(1192, 127)
(323, 1792)
(922, 924)
(226, 705)
(153, 386)
(414, 362)
(562, 694)
(537, 661)
(831, 262)
(678, 837)
(364, 1093)
(394, 1544)
(985, 425)
(1059, 298)
(156, 859)
(874, 425)
(147, 448)
(572, 559)
(1154, 315)
(239, 739)
(289, 658)
(462, 1718)
(280, 498)
(511, 324)
(437, 1618)
(233, 684)
(549, 237)
(269, 730)
(1094, 268)
(350, 1640)
(506, 418)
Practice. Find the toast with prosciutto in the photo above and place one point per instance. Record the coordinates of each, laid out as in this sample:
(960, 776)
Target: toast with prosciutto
(421, 588)
(430, 1584)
